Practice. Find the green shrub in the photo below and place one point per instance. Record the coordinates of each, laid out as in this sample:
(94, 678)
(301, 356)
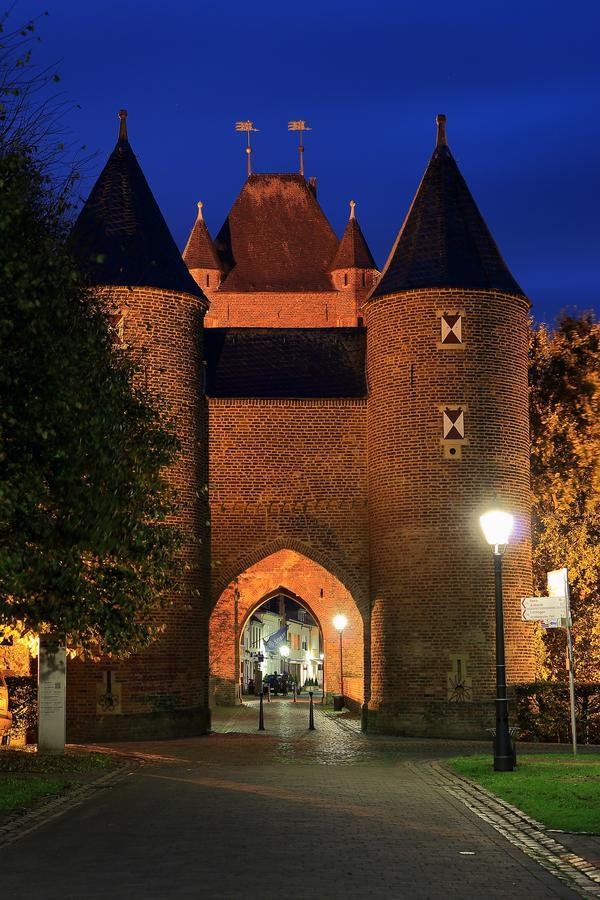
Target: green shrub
(544, 713)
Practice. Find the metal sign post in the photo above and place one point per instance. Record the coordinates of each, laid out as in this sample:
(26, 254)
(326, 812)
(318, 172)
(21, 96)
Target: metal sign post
(558, 586)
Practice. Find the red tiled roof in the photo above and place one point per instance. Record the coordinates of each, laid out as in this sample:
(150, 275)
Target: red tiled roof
(200, 251)
(276, 238)
(353, 252)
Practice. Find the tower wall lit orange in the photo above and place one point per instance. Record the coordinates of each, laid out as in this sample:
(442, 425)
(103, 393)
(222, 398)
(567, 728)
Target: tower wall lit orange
(347, 466)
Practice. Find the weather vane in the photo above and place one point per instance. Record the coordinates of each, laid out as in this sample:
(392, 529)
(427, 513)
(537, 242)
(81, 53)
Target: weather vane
(301, 127)
(248, 127)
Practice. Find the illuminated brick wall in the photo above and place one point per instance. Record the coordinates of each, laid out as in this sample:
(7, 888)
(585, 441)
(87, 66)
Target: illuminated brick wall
(432, 576)
(165, 689)
(281, 310)
(288, 475)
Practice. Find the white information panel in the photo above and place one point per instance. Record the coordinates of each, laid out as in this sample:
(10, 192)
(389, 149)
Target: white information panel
(52, 683)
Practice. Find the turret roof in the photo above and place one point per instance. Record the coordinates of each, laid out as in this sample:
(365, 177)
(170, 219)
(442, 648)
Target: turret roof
(200, 251)
(120, 236)
(353, 251)
(276, 237)
(444, 241)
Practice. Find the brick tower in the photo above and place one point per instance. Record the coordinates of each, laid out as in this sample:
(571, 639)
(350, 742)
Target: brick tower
(123, 242)
(447, 438)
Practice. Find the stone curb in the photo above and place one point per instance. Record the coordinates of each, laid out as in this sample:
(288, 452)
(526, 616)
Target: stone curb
(19, 823)
(530, 836)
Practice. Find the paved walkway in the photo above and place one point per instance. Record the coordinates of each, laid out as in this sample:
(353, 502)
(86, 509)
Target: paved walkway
(284, 813)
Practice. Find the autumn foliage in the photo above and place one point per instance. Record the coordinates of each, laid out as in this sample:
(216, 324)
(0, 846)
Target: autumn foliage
(564, 377)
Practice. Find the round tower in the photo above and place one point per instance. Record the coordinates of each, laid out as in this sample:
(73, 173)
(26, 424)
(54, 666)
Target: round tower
(124, 244)
(448, 437)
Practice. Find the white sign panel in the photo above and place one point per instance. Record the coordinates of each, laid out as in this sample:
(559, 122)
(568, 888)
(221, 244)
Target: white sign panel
(539, 609)
(557, 583)
(52, 680)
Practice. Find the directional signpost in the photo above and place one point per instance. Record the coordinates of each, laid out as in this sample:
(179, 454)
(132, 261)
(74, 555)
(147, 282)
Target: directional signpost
(554, 611)
(547, 610)
(558, 585)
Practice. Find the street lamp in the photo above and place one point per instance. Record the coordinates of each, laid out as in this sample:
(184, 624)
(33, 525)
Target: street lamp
(285, 652)
(497, 526)
(339, 623)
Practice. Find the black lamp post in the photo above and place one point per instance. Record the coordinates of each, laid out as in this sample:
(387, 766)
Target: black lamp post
(497, 526)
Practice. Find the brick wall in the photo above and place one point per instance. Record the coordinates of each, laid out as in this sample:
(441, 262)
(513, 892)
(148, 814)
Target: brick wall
(281, 310)
(288, 475)
(165, 689)
(432, 577)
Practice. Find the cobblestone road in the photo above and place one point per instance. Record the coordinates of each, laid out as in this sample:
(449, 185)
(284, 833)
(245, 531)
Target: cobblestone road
(285, 813)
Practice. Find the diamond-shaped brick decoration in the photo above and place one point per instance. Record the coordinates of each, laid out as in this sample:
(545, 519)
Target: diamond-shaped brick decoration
(453, 429)
(453, 423)
(451, 329)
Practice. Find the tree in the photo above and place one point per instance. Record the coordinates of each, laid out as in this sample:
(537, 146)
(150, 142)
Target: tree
(564, 377)
(86, 548)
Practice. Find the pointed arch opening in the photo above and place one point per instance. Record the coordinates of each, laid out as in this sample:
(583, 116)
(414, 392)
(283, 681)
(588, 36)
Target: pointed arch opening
(287, 573)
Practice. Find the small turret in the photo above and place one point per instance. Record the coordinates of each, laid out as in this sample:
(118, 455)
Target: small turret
(200, 255)
(353, 269)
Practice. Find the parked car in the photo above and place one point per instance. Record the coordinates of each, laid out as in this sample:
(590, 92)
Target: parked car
(5, 715)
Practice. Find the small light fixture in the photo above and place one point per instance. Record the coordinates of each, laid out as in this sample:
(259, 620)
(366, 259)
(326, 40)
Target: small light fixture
(497, 526)
(339, 622)
(284, 650)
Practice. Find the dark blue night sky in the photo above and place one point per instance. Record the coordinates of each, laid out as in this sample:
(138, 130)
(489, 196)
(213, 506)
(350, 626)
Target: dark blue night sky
(519, 82)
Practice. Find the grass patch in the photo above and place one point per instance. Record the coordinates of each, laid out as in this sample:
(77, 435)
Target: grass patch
(555, 789)
(70, 761)
(16, 792)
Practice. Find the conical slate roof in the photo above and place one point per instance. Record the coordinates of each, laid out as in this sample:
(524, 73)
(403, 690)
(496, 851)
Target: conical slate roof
(444, 241)
(276, 237)
(120, 236)
(353, 251)
(200, 251)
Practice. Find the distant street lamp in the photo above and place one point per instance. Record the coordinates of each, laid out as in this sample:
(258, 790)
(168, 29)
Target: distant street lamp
(285, 652)
(339, 623)
(322, 658)
(497, 526)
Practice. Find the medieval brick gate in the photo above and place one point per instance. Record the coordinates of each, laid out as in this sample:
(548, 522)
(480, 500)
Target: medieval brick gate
(312, 584)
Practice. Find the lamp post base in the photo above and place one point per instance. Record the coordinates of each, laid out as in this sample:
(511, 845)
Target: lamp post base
(503, 763)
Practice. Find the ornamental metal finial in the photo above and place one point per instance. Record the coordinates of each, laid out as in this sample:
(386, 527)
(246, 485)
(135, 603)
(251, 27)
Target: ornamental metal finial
(123, 125)
(248, 127)
(352, 208)
(301, 126)
(200, 205)
(441, 130)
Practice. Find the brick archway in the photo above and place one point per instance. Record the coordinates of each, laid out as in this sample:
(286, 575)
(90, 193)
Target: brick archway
(315, 586)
